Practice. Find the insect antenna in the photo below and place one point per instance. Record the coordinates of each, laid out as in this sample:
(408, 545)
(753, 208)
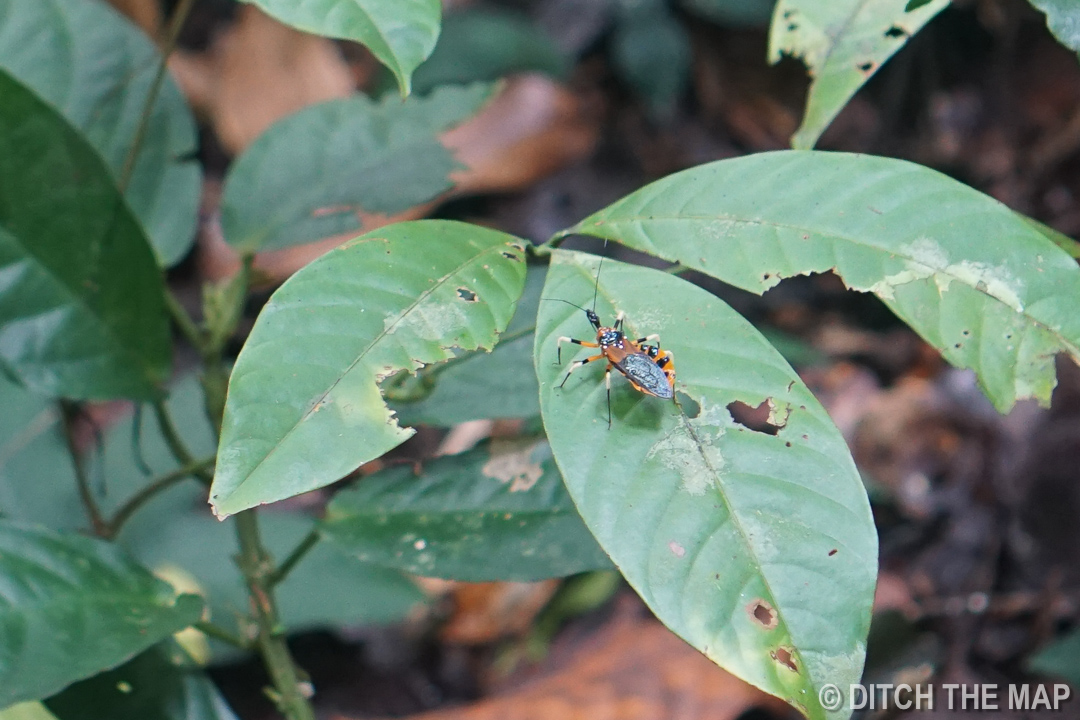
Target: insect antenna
(596, 288)
(567, 302)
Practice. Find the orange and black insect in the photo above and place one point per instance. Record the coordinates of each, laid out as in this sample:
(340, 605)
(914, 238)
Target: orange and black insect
(649, 369)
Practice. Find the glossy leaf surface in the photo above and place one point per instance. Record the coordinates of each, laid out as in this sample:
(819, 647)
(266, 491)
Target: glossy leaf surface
(843, 43)
(400, 33)
(1063, 19)
(71, 607)
(758, 549)
(163, 683)
(979, 282)
(304, 407)
(96, 68)
(82, 313)
(497, 512)
(311, 175)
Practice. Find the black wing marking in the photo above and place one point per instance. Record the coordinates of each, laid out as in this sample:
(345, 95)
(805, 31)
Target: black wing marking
(644, 371)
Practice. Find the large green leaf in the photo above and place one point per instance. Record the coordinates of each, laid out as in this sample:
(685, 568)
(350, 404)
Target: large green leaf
(304, 407)
(327, 589)
(309, 175)
(487, 44)
(1063, 19)
(982, 284)
(163, 683)
(843, 43)
(71, 607)
(758, 549)
(498, 512)
(481, 385)
(93, 65)
(401, 33)
(82, 312)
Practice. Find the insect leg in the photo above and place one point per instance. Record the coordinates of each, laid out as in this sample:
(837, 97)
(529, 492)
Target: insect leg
(577, 364)
(558, 345)
(649, 338)
(607, 381)
(618, 320)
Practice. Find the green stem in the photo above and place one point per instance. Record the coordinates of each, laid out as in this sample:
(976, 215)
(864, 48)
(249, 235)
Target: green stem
(219, 633)
(113, 527)
(70, 412)
(183, 321)
(290, 692)
(176, 444)
(302, 548)
(172, 36)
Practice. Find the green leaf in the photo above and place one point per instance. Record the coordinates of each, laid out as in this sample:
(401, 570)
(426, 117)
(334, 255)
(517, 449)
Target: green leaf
(400, 33)
(916, 4)
(651, 51)
(843, 43)
(758, 549)
(326, 589)
(27, 711)
(71, 607)
(162, 683)
(304, 407)
(498, 512)
(748, 13)
(488, 44)
(481, 385)
(308, 176)
(96, 68)
(1063, 19)
(82, 312)
(974, 279)
(1061, 658)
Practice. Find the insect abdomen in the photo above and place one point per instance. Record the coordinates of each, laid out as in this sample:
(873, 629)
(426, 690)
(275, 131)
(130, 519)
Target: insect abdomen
(646, 374)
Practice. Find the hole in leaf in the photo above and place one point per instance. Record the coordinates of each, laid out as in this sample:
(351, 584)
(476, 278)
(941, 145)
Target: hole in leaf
(759, 419)
(792, 27)
(762, 613)
(511, 256)
(689, 406)
(896, 32)
(785, 657)
(866, 67)
(466, 294)
(832, 552)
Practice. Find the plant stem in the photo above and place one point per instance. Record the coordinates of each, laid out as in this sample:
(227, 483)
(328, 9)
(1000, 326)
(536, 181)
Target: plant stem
(217, 632)
(176, 444)
(172, 35)
(302, 548)
(112, 528)
(183, 321)
(291, 693)
(70, 412)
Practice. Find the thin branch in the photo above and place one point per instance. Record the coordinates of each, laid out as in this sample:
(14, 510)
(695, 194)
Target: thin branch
(302, 548)
(219, 633)
(176, 444)
(183, 321)
(112, 528)
(172, 36)
(290, 691)
(70, 414)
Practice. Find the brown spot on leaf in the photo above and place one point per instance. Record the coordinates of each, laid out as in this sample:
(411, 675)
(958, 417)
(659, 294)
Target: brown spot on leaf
(832, 552)
(762, 613)
(466, 294)
(511, 256)
(785, 657)
(896, 32)
(866, 67)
